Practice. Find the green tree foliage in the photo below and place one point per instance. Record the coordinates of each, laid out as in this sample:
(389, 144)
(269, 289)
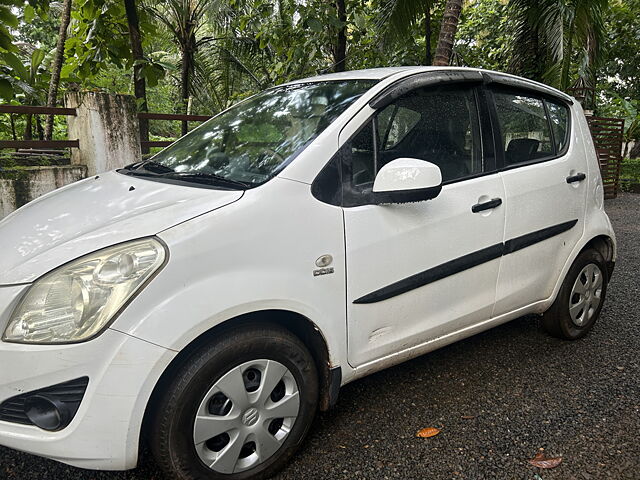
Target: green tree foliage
(621, 70)
(11, 74)
(211, 53)
(482, 38)
(559, 42)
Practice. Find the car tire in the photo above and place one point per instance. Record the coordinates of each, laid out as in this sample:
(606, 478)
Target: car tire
(580, 299)
(253, 356)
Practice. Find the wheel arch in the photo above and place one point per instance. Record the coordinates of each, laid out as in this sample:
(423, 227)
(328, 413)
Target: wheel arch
(602, 242)
(297, 324)
(606, 246)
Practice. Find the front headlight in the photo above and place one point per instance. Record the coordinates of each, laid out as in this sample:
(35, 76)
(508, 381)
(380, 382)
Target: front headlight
(76, 301)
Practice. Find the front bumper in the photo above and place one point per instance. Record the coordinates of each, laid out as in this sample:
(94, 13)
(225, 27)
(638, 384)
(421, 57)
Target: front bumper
(105, 432)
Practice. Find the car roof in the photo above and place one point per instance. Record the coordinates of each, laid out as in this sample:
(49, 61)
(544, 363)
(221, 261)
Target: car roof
(365, 74)
(385, 72)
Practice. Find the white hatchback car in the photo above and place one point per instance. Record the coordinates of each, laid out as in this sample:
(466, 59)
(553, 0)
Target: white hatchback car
(210, 300)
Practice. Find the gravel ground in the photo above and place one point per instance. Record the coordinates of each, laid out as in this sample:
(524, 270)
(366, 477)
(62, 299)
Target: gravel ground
(524, 390)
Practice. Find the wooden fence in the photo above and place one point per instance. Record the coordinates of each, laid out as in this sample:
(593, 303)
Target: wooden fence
(168, 116)
(61, 144)
(607, 134)
(38, 144)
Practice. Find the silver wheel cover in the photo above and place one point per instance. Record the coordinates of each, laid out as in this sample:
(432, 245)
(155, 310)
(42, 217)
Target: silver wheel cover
(586, 295)
(239, 425)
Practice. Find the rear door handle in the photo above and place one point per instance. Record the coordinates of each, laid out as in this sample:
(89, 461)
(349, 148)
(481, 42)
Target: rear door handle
(479, 207)
(578, 177)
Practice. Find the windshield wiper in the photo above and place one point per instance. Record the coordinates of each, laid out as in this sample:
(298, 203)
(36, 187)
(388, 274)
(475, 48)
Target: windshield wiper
(156, 167)
(147, 168)
(207, 178)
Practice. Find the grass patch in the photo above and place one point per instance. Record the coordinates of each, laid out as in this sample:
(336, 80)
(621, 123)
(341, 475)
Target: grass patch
(630, 170)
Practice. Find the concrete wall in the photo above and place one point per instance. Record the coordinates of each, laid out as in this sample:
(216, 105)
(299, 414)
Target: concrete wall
(107, 127)
(19, 186)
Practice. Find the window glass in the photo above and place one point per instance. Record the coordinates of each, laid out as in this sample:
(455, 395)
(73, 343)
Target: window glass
(404, 120)
(524, 127)
(253, 140)
(559, 116)
(437, 125)
(363, 156)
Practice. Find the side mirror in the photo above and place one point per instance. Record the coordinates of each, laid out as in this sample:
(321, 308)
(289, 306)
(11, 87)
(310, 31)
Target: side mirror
(405, 180)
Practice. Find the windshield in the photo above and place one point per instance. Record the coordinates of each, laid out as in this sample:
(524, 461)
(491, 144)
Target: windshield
(251, 142)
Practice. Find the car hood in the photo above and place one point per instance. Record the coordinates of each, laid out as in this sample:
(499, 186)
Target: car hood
(92, 214)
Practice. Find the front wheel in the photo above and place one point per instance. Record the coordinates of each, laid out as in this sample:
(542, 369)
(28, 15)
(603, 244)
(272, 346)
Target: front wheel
(580, 298)
(238, 408)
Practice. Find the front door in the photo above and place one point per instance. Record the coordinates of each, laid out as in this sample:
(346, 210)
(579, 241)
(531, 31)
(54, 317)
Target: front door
(418, 271)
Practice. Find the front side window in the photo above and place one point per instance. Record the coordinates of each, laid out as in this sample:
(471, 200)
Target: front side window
(251, 142)
(437, 125)
(524, 128)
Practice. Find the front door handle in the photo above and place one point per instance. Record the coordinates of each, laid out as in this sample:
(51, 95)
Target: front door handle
(493, 203)
(578, 177)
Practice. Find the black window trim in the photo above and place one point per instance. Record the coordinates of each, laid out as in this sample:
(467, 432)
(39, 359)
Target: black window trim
(482, 83)
(487, 138)
(531, 93)
(469, 83)
(567, 134)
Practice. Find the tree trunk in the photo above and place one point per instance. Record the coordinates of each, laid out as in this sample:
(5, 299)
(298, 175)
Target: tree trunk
(428, 59)
(448, 29)
(28, 128)
(139, 83)
(13, 127)
(635, 150)
(566, 60)
(340, 52)
(39, 128)
(184, 87)
(56, 68)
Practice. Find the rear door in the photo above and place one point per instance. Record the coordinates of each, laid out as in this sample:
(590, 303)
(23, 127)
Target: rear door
(543, 170)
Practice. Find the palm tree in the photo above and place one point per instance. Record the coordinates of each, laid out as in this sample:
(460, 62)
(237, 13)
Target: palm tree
(184, 19)
(397, 17)
(139, 83)
(450, 21)
(56, 68)
(549, 36)
(340, 50)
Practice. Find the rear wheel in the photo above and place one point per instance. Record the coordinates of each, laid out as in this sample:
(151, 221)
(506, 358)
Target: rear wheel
(580, 298)
(238, 408)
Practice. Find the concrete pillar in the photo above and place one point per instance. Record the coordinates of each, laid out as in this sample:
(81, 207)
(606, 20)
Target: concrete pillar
(107, 127)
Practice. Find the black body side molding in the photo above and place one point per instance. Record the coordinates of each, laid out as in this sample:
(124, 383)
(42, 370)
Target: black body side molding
(464, 263)
(434, 274)
(532, 238)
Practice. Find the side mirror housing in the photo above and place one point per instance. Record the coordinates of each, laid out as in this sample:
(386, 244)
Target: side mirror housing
(406, 180)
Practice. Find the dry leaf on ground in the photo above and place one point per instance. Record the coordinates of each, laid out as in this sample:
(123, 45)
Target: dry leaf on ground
(427, 432)
(541, 461)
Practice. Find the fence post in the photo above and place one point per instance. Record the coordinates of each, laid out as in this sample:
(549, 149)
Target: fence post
(107, 128)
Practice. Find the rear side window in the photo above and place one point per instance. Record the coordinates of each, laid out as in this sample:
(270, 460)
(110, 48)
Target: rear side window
(524, 128)
(559, 116)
